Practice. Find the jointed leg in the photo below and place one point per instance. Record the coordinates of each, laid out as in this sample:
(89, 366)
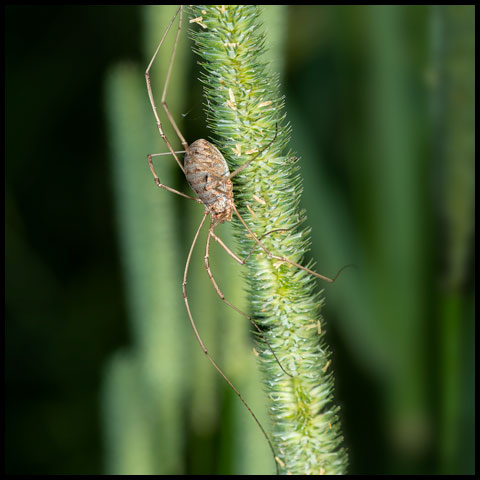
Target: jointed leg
(244, 261)
(167, 81)
(246, 164)
(284, 259)
(157, 180)
(150, 93)
(197, 335)
(222, 296)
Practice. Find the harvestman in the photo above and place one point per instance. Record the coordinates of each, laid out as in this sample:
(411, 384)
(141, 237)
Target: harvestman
(208, 175)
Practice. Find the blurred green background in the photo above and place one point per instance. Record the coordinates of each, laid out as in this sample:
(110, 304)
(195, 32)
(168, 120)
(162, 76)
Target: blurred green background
(102, 371)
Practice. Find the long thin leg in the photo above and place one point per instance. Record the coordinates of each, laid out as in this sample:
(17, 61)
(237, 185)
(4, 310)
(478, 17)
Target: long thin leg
(197, 335)
(150, 93)
(244, 261)
(167, 81)
(160, 184)
(222, 296)
(246, 164)
(284, 259)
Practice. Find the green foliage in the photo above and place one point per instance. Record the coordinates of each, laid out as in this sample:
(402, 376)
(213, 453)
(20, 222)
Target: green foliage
(245, 111)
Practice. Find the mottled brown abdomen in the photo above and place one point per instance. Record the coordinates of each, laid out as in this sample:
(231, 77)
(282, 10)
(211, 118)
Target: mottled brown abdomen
(206, 170)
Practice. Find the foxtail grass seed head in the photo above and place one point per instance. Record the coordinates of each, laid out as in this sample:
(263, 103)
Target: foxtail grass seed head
(244, 112)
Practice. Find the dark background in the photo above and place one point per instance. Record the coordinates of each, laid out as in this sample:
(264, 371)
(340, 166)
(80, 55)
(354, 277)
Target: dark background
(66, 310)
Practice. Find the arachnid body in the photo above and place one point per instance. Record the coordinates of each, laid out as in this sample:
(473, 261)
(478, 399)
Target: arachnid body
(204, 167)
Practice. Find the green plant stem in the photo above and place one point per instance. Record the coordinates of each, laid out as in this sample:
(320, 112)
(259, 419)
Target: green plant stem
(244, 112)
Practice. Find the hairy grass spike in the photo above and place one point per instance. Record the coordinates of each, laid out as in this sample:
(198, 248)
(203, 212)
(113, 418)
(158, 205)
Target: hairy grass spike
(243, 110)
